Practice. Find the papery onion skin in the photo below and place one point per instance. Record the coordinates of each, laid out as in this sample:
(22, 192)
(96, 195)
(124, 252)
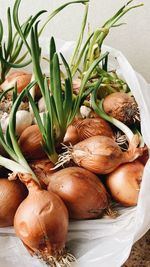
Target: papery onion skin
(41, 221)
(124, 183)
(30, 142)
(43, 170)
(12, 193)
(122, 107)
(82, 129)
(20, 77)
(82, 192)
(101, 154)
(144, 158)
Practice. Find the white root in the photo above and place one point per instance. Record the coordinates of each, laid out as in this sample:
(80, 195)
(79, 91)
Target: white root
(64, 157)
(121, 140)
(63, 260)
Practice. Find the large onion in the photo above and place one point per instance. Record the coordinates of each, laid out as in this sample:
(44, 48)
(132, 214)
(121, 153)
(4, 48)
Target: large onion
(101, 154)
(122, 107)
(41, 222)
(81, 129)
(12, 193)
(82, 192)
(30, 142)
(124, 183)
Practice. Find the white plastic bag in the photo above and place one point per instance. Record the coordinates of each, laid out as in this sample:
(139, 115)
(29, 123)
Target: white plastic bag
(102, 242)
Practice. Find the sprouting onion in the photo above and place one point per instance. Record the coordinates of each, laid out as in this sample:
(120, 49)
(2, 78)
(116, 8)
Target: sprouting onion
(97, 105)
(91, 49)
(17, 163)
(10, 52)
(61, 105)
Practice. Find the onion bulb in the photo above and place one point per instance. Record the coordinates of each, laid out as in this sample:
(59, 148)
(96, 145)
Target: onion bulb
(12, 193)
(41, 222)
(124, 183)
(20, 77)
(122, 107)
(82, 192)
(100, 154)
(30, 142)
(82, 129)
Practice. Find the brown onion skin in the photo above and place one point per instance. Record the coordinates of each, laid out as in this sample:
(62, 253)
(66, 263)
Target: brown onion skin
(30, 142)
(144, 158)
(43, 170)
(101, 154)
(82, 192)
(23, 79)
(124, 183)
(121, 106)
(41, 221)
(82, 129)
(12, 193)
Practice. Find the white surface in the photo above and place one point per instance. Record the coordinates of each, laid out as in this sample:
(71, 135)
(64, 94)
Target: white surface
(132, 39)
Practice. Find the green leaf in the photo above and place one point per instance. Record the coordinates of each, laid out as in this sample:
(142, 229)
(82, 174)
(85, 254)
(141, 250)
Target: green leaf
(56, 11)
(52, 53)
(57, 93)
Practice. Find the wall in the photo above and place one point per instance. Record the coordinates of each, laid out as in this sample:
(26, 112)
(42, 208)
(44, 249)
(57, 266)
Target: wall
(132, 39)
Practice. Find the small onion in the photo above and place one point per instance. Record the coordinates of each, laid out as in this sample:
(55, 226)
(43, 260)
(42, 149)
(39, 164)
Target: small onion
(30, 142)
(82, 129)
(12, 193)
(124, 183)
(41, 222)
(20, 77)
(23, 120)
(122, 107)
(101, 154)
(82, 192)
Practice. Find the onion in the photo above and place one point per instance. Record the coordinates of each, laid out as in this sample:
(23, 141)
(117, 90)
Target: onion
(23, 120)
(41, 222)
(82, 192)
(122, 107)
(43, 170)
(12, 193)
(30, 143)
(41, 105)
(100, 154)
(124, 183)
(82, 129)
(20, 77)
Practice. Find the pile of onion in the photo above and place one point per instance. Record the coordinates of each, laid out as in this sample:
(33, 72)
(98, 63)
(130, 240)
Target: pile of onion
(82, 192)
(12, 193)
(41, 222)
(124, 183)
